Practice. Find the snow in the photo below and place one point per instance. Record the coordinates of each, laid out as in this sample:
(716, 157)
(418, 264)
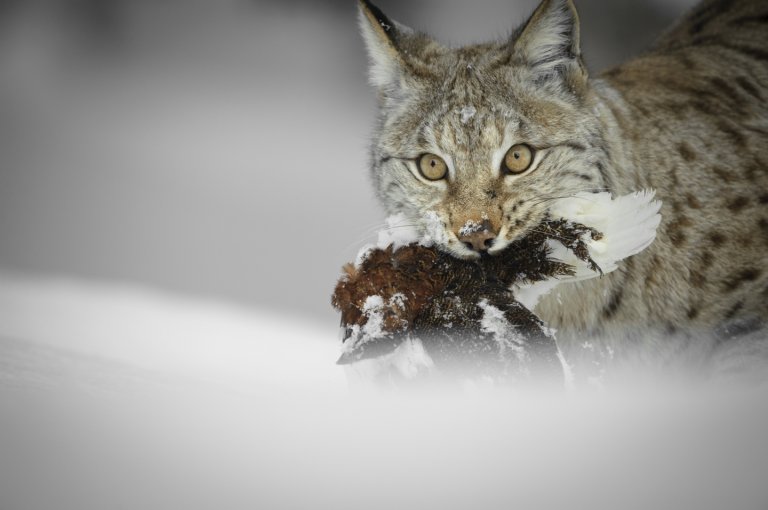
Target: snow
(434, 230)
(467, 113)
(117, 396)
(494, 322)
(528, 294)
(222, 344)
(399, 231)
(470, 227)
(569, 381)
(363, 254)
(407, 361)
(398, 300)
(373, 310)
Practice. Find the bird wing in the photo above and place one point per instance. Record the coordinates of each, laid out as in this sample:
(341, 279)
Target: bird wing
(628, 225)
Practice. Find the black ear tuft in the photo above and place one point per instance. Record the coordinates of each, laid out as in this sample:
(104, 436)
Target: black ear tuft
(386, 24)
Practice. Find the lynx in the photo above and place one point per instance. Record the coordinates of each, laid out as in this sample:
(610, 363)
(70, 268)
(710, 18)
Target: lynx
(484, 137)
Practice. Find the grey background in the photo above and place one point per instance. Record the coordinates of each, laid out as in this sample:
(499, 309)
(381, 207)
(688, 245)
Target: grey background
(216, 148)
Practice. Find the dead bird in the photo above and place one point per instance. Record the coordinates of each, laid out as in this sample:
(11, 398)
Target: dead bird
(408, 308)
(461, 312)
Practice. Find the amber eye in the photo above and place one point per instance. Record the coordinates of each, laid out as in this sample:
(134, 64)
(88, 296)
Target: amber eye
(432, 167)
(517, 159)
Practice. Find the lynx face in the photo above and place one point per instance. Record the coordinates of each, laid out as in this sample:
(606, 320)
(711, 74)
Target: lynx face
(473, 143)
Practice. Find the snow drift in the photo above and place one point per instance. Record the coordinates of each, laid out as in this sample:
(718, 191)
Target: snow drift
(115, 397)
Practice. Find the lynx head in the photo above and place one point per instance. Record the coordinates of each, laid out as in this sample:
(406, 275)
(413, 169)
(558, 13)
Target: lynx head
(471, 143)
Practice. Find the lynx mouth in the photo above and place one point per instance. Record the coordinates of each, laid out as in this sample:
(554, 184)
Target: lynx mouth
(485, 255)
(501, 242)
(458, 250)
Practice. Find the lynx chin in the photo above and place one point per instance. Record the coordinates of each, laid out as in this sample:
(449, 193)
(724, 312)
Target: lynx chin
(476, 142)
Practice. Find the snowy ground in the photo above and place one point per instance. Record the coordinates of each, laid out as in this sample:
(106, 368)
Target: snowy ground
(120, 397)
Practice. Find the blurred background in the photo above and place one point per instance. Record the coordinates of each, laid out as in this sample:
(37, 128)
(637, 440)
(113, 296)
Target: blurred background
(216, 149)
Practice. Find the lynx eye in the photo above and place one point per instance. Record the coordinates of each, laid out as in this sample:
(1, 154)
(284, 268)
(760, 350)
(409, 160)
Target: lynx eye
(432, 167)
(517, 159)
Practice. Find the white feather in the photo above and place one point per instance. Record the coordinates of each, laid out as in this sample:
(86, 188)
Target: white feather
(628, 224)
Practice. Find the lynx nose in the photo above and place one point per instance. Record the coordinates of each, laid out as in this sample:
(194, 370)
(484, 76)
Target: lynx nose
(477, 236)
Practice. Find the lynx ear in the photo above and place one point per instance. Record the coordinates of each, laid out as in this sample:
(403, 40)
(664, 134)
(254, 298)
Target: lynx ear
(548, 43)
(383, 38)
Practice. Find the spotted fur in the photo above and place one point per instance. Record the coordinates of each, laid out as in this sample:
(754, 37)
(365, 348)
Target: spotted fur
(689, 119)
